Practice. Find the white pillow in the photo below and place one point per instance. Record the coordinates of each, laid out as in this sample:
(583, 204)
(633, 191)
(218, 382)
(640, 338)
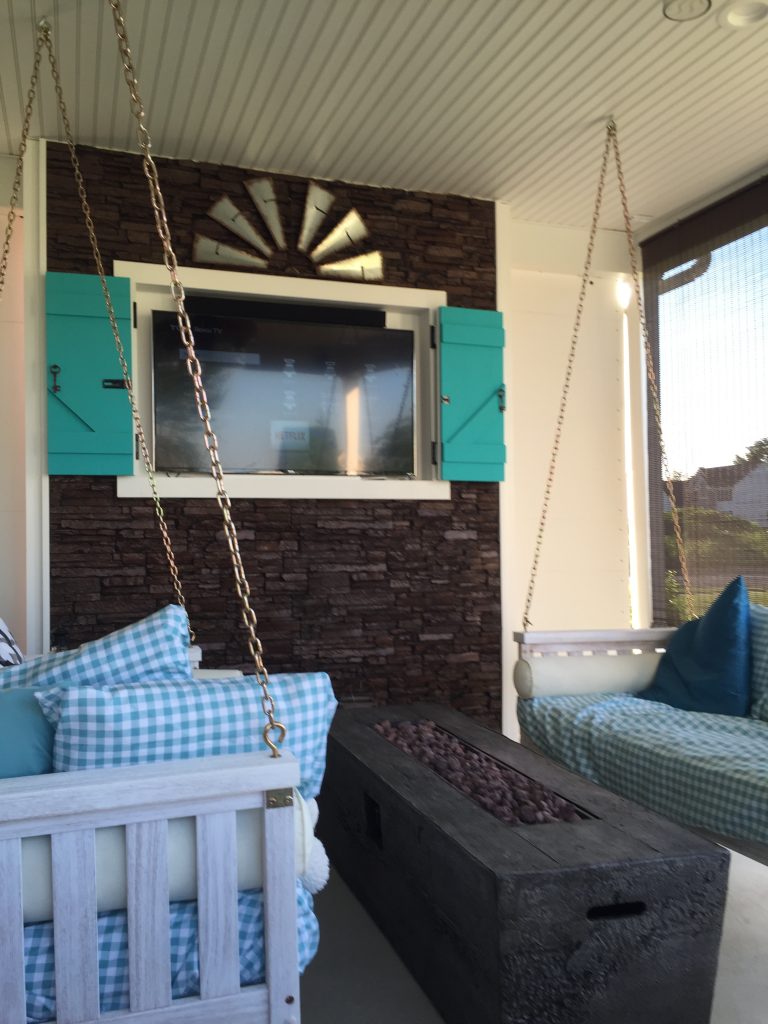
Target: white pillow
(182, 861)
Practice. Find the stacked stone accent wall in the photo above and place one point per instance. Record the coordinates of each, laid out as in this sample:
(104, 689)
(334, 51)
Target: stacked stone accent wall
(396, 600)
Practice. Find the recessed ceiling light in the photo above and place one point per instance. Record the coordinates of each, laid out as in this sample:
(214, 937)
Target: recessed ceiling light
(685, 10)
(743, 14)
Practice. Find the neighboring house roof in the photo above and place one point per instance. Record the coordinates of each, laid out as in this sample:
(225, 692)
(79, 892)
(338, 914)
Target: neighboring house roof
(722, 476)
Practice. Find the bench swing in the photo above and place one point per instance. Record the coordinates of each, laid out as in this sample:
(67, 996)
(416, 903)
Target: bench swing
(693, 747)
(572, 661)
(67, 808)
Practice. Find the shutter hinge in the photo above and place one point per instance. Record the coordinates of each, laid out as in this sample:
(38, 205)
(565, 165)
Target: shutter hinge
(135, 317)
(432, 342)
(434, 453)
(136, 448)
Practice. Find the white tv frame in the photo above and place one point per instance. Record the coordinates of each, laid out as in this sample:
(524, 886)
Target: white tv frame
(405, 308)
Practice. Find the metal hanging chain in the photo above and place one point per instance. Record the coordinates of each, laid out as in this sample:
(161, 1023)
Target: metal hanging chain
(44, 40)
(651, 375)
(195, 371)
(611, 143)
(566, 387)
(16, 191)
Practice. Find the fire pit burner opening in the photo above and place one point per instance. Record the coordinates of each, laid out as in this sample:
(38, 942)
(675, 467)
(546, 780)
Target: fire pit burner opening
(507, 794)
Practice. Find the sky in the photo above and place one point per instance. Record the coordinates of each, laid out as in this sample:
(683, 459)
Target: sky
(714, 358)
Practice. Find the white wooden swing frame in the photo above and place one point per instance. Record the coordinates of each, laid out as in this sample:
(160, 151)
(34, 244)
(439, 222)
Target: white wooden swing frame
(69, 807)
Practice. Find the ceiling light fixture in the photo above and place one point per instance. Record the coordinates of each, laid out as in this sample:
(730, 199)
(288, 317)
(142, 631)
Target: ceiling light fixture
(743, 14)
(685, 10)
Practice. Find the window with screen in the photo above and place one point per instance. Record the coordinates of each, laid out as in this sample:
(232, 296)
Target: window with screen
(706, 294)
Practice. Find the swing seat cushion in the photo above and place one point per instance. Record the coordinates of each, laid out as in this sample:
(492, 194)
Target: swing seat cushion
(703, 770)
(183, 949)
(706, 665)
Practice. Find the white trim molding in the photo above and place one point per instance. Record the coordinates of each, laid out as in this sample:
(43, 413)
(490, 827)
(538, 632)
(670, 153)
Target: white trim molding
(37, 545)
(407, 308)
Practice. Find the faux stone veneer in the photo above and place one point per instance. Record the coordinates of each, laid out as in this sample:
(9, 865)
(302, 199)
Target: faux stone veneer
(427, 240)
(395, 600)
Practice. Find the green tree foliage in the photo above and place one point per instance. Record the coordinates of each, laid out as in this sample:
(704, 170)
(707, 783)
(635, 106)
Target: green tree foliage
(716, 541)
(756, 453)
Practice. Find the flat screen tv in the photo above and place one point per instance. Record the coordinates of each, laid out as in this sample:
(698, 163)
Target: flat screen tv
(286, 397)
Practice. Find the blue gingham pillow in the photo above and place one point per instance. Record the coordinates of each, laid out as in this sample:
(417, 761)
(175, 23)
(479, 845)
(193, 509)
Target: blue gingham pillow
(759, 639)
(154, 648)
(106, 727)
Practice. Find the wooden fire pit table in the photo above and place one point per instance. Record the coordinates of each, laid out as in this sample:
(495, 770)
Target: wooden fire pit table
(612, 918)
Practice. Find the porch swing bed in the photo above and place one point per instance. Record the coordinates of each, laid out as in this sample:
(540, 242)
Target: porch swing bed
(696, 750)
(581, 707)
(157, 849)
(182, 886)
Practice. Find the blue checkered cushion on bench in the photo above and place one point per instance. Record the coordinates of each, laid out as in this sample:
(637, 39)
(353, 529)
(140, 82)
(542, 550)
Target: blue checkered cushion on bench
(699, 769)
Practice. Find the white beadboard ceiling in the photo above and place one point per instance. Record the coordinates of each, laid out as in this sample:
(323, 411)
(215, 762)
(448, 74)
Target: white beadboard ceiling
(500, 99)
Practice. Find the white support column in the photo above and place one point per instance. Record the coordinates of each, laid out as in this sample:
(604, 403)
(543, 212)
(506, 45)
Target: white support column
(36, 545)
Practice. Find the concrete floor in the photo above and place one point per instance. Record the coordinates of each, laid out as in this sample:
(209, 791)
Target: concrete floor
(357, 978)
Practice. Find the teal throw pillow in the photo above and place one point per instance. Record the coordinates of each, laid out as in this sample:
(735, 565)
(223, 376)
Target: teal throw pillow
(706, 666)
(156, 647)
(759, 631)
(26, 736)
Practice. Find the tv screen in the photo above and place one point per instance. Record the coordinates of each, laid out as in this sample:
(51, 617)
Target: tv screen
(286, 397)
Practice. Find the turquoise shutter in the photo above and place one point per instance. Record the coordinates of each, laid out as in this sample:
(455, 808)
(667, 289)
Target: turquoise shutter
(90, 431)
(471, 394)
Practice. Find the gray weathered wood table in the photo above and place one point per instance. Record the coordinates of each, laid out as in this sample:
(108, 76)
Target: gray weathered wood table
(614, 919)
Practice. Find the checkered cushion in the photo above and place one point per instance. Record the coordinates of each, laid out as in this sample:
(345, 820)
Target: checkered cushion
(185, 969)
(107, 727)
(759, 640)
(154, 648)
(704, 770)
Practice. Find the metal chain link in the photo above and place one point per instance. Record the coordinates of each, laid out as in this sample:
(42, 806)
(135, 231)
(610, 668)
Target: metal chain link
(611, 143)
(16, 191)
(652, 379)
(44, 40)
(195, 371)
(566, 387)
(45, 32)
